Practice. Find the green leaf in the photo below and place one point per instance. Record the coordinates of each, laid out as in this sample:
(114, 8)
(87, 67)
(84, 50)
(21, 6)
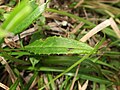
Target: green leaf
(31, 81)
(50, 78)
(34, 61)
(4, 33)
(102, 87)
(22, 16)
(58, 45)
(14, 86)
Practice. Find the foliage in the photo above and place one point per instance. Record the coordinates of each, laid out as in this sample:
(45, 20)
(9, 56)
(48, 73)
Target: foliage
(58, 45)
(43, 49)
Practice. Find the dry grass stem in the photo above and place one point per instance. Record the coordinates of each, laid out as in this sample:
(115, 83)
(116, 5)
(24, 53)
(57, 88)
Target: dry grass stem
(113, 16)
(46, 81)
(74, 79)
(79, 86)
(4, 86)
(9, 70)
(84, 86)
(77, 27)
(101, 26)
(22, 35)
(79, 3)
(115, 27)
(95, 30)
(109, 1)
(54, 16)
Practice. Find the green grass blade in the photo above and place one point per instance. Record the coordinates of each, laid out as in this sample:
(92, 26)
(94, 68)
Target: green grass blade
(17, 15)
(29, 19)
(14, 86)
(31, 81)
(78, 62)
(102, 87)
(21, 17)
(50, 78)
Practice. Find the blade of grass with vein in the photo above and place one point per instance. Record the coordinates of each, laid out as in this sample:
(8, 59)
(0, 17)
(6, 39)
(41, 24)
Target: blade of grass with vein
(19, 77)
(22, 16)
(13, 59)
(94, 78)
(17, 15)
(80, 75)
(14, 86)
(106, 64)
(52, 85)
(65, 82)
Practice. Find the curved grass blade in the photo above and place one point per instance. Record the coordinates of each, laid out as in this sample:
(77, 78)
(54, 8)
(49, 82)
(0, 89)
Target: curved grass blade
(14, 86)
(22, 16)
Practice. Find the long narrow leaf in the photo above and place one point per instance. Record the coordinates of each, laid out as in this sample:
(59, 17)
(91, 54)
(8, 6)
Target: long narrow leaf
(58, 45)
(22, 16)
(14, 86)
